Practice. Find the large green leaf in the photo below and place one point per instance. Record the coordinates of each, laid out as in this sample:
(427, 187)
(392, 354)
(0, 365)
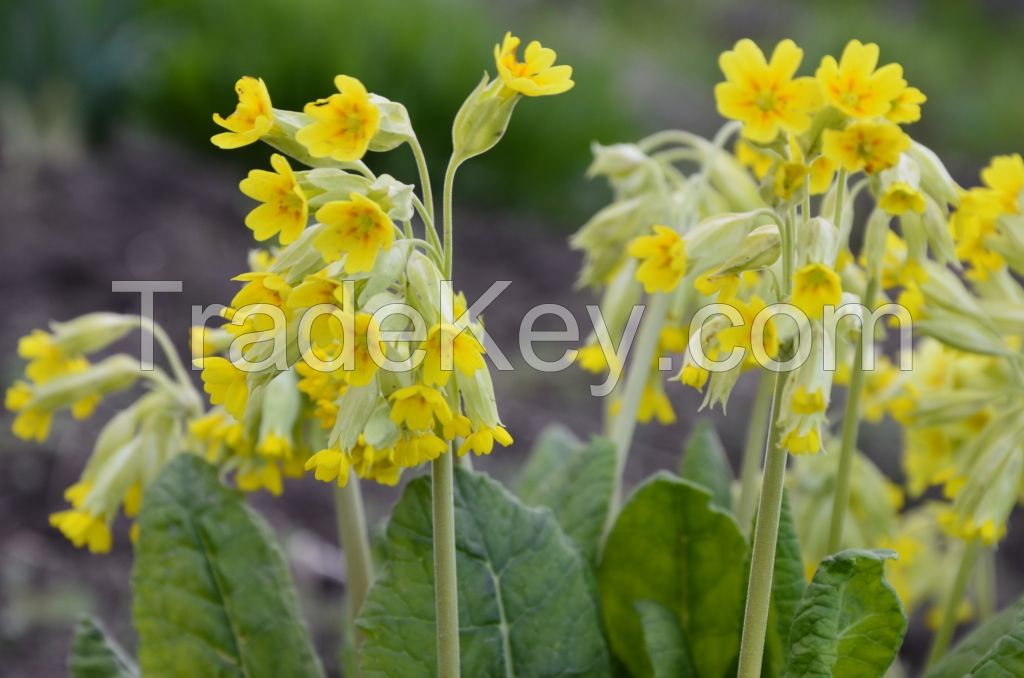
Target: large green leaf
(213, 595)
(524, 605)
(95, 655)
(665, 642)
(573, 479)
(706, 464)
(989, 650)
(850, 623)
(673, 546)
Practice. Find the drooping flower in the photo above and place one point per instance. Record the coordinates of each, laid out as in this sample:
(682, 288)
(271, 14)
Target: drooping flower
(251, 119)
(1005, 177)
(328, 465)
(814, 287)
(226, 385)
(803, 442)
(753, 158)
(448, 347)
(415, 449)
(764, 95)
(284, 209)
(343, 124)
(417, 407)
(31, 423)
(84, 529)
(900, 197)
(663, 259)
(536, 75)
(906, 107)
(357, 228)
(854, 86)
(482, 439)
(868, 146)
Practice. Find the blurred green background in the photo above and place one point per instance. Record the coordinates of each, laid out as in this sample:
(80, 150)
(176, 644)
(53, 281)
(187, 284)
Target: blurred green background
(81, 70)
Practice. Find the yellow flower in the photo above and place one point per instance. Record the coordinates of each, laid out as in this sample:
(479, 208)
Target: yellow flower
(328, 465)
(654, 404)
(482, 439)
(375, 464)
(741, 336)
(663, 259)
(459, 349)
(712, 283)
(789, 178)
(416, 449)
(226, 385)
(694, 376)
(868, 146)
(751, 156)
(1005, 177)
(357, 228)
(805, 402)
(458, 427)
(855, 87)
(822, 171)
(592, 358)
(764, 95)
(275, 446)
(83, 529)
(343, 124)
(808, 442)
(416, 406)
(906, 107)
(537, 76)
(900, 198)
(264, 476)
(31, 423)
(284, 209)
(252, 118)
(261, 288)
(814, 287)
(367, 333)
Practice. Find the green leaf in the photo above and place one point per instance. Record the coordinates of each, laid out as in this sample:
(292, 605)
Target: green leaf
(573, 479)
(706, 464)
(988, 650)
(94, 654)
(850, 623)
(524, 606)
(213, 595)
(665, 642)
(673, 546)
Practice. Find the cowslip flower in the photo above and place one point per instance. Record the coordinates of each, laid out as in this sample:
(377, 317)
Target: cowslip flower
(329, 465)
(82, 528)
(417, 448)
(663, 259)
(753, 158)
(482, 439)
(446, 347)
(536, 75)
(357, 228)
(343, 124)
(252, 118)
(900, 197)
(764, 95)
(417, 406)
(226, 385)
(803, 442)
(814, 287)
(868, 146)
(906, 107)
(1005, 178)
(854, 86)
(284, 209)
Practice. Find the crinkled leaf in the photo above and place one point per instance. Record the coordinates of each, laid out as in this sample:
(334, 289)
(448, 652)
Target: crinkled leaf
(524, 606)
(665, 642)
(673, 546)
(573, 479)
(994, 649)
(213, 595)
(850, 623)
(706, 464)
(94, 654)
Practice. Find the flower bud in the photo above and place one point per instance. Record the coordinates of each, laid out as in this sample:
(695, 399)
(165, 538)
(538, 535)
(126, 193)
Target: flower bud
(935, 178)
(482, 120)
(818, 242)
(395, 128)
(355, 406)
(478, 395)
(760, 248)
(711, 241)
(113, 374)
(92, 332)
(424, 286)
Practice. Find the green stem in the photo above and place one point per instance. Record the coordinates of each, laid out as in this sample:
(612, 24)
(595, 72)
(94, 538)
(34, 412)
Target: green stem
(449, 185)
(766, 533)
(956, 596)
(837, 219)
(986, 584)
(753, 449)
(446, 594)
(421, 167)
(355, 543)
(851, 424)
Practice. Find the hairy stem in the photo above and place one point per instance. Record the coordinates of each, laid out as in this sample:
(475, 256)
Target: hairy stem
(956, 596)
(446, 594)
(753, 449)
(766, 533)
(348, 503)
(421, 167)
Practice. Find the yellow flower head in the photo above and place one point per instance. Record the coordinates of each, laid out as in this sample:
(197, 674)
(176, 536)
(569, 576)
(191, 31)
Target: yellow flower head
(807, 442)
(261, 476)
(814, 287)
(654, 404)
(252, 118)
(694, 376)
(789, 178)
(808, 402)
(482, 439)
(329, 465)
(357, 228)
(83, 529)
(751, 156)
(592, 358)
(821, 173)
(418, 448)
(906, 107)
(855, 87)
(537, 75)
(446, 347)
(284, 209)
(417, 406)
(226, 385)
(261, 288)
(741, 336)
(764, 95)
(366, 333)
(900, 198)
(343, 124)
(868, 146)
(663, 259)
(31, 423)
(1005, 177)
